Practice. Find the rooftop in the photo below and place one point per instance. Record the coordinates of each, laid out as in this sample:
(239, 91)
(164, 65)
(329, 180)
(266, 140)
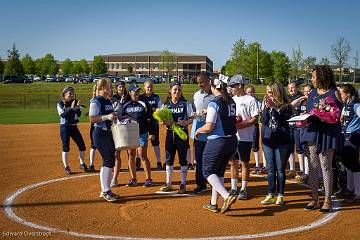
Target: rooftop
(151, 53)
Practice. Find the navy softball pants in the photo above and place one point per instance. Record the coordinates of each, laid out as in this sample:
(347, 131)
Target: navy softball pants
(104, 143)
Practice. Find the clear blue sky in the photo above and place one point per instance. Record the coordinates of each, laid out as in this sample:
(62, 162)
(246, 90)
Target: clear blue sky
(83, 28)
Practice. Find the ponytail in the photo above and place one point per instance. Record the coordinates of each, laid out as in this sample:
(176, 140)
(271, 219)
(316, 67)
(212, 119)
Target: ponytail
(215, 82)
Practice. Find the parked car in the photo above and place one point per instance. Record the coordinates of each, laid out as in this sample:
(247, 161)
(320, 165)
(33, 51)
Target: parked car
(60, 79)
(138, 78)
(50, 79)
(69, 79)
(16, 79)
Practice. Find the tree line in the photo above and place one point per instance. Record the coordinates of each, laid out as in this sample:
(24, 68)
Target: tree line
(47, 65)
(250, 60)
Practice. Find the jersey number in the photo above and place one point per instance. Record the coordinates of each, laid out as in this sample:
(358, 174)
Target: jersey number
(231, 110)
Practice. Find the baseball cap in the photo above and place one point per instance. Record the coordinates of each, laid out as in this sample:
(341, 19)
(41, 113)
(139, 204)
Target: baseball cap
(120, 83)
(133, 88)
(67, 89)
(236, 79)
(175, 83)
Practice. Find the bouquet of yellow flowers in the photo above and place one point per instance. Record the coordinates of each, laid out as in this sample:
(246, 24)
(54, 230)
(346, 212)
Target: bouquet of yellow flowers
(165, 114)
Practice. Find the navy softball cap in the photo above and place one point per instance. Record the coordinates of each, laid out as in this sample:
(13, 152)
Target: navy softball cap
(68, 89)
(175, 84)
(133, 88)
(121, 83)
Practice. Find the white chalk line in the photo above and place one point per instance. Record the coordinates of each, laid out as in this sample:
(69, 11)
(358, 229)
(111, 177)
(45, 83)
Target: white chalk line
(8, 203)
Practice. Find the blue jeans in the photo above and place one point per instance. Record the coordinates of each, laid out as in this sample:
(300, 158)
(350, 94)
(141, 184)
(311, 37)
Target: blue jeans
(276, 159)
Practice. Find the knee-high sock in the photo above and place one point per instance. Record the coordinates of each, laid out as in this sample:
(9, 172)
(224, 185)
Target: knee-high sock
(65, 158)
(301, 161)
(82, 157)
(214, 193)
(257, 159)
(188, 156)
(306, 165)
(102, 179)
(292, 162)
(244, 185)
(169, 174)
(264, 159)
(356, 183)
(349, 180)
(216, 183)
(234, 182)
(157, 153)
(92, 156)
(105, 178)
(184, 170)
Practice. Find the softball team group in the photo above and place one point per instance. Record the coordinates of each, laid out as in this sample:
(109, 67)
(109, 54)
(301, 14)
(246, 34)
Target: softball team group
(225, 117)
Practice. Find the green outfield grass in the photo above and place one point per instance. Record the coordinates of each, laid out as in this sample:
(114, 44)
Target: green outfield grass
(36, 102)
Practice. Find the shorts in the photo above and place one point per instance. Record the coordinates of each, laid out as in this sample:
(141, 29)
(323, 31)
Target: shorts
(143, 139)
(243, 151)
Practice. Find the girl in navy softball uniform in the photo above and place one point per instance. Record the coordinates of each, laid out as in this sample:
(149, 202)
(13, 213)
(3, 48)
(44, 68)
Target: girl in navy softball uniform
(154, 100)
(142, 113)
(102, 115)
(69, 112)
(92, 146)
(221, 145)
(118, 100)
(181, 111)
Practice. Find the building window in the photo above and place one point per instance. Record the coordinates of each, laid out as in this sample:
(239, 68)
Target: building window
(112, 66)
(120, 66)
(117, 66)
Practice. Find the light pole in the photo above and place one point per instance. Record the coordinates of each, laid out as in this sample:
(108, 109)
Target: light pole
(356, 59)
(257, 61)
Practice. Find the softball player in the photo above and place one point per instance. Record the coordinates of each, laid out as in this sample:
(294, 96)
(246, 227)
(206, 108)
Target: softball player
(92, 147)
(102, 114)
(155, 102)
(69, 112)
(142, 113)
(181, 110)
(222, 142)
(118, 100)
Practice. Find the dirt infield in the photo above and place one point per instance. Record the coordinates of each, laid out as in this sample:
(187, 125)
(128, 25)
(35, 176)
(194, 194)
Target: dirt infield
(30, 154)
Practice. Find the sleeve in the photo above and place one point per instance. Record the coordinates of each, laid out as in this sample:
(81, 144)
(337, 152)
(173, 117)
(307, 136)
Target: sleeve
(94, 109)
(357, 109)
(190, 111)
(265, 116)
(150, 119)
(212, 112)
(159, 104)
(254, 109)
(62, 110)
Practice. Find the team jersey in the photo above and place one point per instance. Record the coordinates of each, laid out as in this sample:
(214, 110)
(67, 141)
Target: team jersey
(142, 113)
(100, 106)
(181, 110)
(348, 113)
(118, 103)
(68, 115)
(154, 100)
(223, 116)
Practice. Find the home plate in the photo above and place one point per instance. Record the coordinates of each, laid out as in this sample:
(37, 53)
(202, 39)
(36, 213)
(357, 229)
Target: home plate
(175, 194)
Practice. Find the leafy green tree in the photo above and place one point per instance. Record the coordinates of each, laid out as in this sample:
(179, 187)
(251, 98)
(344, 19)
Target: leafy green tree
(99, 66)
(38, 66)
(2, 66)
(85, 68)
(76, 68)
(281, 66)
(130, 68)
(28, 64)
(66, 66)
(296, 62)
(309, 64)
(49, 65)
(168, 62)
(13, 66)
(237, 64)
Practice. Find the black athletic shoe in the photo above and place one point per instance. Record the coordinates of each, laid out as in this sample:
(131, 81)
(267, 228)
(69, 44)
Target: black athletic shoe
(67, 170)
(199, 190)
(84, 167)
(92, 168)
(159, 166)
